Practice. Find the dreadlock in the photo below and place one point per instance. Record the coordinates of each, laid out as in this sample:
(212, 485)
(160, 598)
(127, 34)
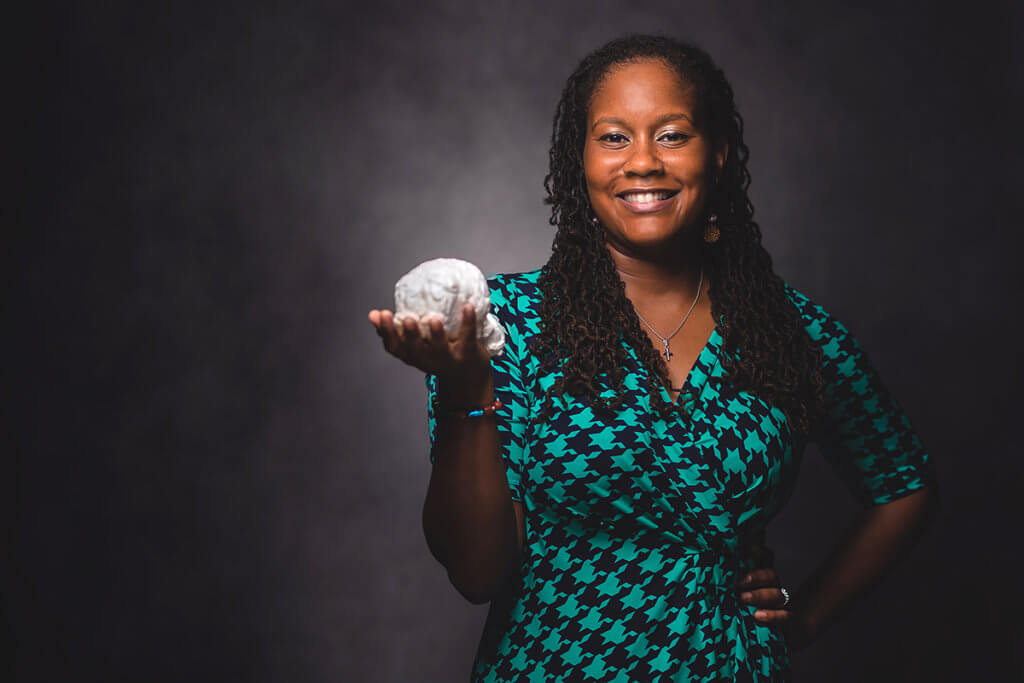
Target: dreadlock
(766, 348)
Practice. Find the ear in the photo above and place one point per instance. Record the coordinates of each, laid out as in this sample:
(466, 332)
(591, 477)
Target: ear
(721, 154)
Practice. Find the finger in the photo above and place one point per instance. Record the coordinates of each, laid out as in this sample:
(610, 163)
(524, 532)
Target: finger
(438, 339)
(763, 597)
(392, 341)
(765, 576)
(397, 324)
(374, 318)
(411, 330)
(467, 331)
(412, 340)
(772, 616)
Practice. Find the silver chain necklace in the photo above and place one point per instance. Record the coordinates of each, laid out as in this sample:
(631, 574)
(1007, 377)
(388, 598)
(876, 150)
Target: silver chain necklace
(664, 340)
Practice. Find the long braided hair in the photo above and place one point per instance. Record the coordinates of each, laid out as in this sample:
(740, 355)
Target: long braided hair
(766, 348)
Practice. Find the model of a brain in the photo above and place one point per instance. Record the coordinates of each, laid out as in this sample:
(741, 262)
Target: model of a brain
(440, 287)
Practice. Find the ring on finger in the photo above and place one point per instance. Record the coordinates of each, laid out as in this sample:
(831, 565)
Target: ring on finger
(785, 596)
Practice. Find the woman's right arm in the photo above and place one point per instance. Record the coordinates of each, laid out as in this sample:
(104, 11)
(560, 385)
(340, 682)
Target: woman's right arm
(469, 517)
(472, 525)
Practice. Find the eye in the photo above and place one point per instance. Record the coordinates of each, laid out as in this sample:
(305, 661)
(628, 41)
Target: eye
(618, 137)
(675, 136)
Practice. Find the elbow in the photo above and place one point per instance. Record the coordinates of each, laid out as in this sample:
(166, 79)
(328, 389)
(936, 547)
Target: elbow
(472, 590)
(474, 593)
(433, 538)
(482, 587)
(476, 598)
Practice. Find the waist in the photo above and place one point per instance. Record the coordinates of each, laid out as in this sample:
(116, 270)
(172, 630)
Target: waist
(652, 551)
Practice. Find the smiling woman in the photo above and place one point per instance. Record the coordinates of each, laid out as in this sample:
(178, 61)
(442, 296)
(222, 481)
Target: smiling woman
(650, 412)
(649, 167)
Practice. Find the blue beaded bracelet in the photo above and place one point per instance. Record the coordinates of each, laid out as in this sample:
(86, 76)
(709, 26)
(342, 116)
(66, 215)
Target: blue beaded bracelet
(477, 412)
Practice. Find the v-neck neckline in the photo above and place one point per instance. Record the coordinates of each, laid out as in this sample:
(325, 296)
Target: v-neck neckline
(702, 363)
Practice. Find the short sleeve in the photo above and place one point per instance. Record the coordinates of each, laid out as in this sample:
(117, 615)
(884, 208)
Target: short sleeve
(513, 416)
(866, 438)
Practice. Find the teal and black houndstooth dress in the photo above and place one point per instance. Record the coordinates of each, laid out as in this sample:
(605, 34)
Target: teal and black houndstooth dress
(635, 523)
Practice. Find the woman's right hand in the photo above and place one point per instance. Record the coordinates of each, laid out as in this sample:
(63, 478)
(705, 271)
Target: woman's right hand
(459, 359)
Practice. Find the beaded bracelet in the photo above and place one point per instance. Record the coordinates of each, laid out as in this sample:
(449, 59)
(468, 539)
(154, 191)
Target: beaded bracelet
(478, 412)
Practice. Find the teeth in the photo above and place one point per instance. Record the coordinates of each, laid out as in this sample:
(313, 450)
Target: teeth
(645, 197)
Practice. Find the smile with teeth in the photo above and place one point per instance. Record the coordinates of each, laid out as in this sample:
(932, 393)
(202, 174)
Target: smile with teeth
(646, 197)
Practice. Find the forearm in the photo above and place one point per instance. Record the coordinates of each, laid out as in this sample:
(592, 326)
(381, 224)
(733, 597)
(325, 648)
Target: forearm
(468, 516)
(880, 536)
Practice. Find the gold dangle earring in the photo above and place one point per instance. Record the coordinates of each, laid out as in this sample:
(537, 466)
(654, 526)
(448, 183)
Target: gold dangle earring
(711, 231)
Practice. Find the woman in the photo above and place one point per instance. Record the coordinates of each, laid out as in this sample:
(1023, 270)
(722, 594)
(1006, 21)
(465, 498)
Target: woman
(656, 393)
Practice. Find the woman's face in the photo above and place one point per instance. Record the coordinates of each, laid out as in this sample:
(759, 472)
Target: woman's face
(648, 169)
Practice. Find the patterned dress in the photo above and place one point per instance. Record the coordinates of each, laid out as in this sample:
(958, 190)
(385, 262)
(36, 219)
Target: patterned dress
(635, 523)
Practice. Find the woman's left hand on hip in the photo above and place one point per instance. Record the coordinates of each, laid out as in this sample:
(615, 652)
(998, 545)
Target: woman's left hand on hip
(760, 587)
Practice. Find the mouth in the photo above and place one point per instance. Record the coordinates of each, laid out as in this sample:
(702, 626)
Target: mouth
(646, 200)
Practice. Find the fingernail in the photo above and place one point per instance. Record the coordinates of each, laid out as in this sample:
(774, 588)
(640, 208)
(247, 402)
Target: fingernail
(760, 615)
(746, 596)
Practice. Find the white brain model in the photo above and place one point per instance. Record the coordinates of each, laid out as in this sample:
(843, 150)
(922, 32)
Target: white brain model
(440, 287)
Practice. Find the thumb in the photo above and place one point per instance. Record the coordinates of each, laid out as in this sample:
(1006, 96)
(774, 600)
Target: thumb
(467, 332)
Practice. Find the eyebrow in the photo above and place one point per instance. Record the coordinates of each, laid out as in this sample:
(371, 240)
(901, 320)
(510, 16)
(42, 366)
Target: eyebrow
(659, 121)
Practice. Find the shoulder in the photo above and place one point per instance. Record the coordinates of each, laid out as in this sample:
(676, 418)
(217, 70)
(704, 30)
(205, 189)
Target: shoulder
(514, 301)
(514, 295)
(506, 287)
(820, 324)
(843, 357)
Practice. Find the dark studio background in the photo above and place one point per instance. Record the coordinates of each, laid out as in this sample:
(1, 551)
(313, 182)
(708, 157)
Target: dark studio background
(218, 472)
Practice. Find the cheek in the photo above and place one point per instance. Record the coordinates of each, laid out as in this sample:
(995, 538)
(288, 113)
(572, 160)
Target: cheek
(597, 186)
(692, 166)
(696, 198)
(592, 174)
(599, 166)
(589, 165)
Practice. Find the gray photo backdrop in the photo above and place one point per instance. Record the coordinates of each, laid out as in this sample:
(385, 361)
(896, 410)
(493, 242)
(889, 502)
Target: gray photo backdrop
(219, 472)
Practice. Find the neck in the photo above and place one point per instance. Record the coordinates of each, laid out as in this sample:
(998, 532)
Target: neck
(659, 277)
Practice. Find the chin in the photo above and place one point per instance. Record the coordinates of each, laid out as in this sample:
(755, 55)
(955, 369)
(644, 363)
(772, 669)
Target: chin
(656, 244)
(652, 233)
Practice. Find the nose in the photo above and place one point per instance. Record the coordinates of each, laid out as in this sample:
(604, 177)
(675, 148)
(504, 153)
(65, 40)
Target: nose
(644, 160)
